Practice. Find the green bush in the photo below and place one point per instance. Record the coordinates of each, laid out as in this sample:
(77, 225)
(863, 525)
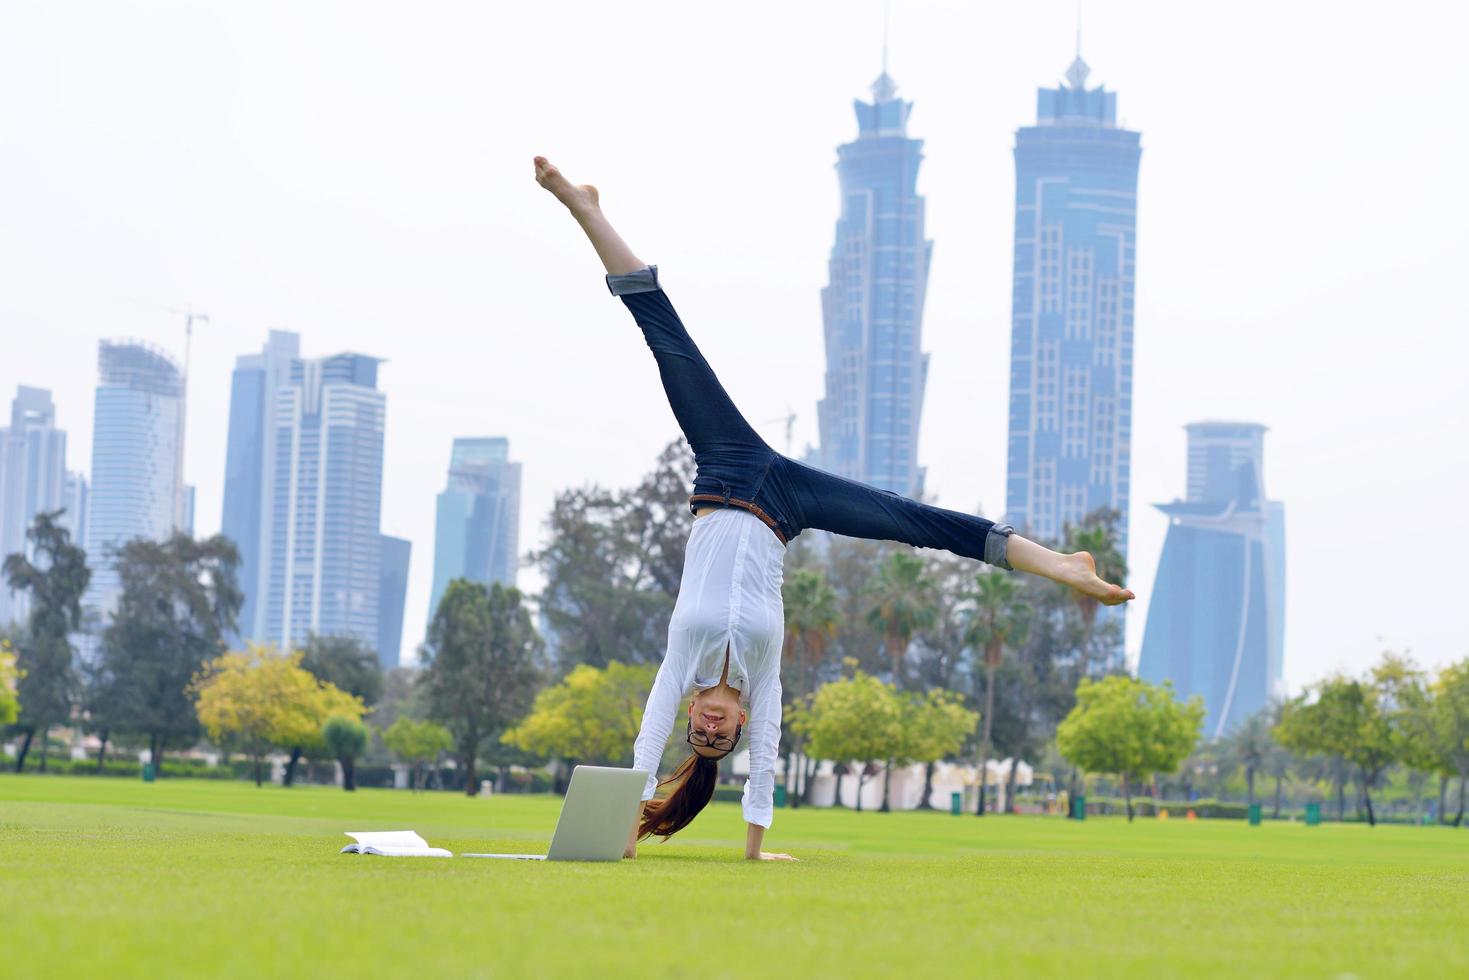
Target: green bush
(131, 768)
(1206, 809)
(729, 794)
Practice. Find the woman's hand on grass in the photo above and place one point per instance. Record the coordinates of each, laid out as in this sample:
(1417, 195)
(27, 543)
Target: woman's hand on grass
(775, 856)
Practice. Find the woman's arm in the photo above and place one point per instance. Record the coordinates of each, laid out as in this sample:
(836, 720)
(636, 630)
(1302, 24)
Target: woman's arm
(754, 837)
(764, 732)
(653, 736)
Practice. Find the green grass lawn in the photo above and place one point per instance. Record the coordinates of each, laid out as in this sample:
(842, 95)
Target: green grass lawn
(108, 877)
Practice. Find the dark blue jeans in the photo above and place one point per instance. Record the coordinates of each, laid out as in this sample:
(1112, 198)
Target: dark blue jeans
(735, 468)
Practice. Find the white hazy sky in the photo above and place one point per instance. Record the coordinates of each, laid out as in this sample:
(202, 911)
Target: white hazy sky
(360, 173)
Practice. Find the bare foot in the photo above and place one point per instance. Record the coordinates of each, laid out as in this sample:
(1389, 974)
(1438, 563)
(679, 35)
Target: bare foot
(1080, 572)
(574, 196)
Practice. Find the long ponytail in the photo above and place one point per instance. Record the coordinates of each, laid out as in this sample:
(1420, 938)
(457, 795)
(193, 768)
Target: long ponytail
(692, 788)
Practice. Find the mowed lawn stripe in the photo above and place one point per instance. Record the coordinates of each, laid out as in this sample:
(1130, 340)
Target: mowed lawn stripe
(183, 878)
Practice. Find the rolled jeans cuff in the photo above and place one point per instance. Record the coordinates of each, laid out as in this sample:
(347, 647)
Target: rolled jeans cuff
(996, 546)
(645, 280)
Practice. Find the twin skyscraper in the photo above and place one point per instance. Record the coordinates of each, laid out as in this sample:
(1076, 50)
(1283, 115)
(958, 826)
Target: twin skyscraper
(1069, 436)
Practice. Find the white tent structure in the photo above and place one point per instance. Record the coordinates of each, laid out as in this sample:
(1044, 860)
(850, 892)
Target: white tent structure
(906, 786)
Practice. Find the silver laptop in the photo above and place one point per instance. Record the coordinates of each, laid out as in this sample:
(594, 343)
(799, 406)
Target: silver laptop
(596, 816)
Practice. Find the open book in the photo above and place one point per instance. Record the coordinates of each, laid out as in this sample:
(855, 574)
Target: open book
(392, 843)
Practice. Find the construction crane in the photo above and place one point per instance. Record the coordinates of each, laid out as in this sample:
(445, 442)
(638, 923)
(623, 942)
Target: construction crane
(190, 317)
(790, 420)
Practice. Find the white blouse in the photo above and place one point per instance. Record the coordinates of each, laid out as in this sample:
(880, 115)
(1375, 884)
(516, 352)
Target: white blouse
(729, 597)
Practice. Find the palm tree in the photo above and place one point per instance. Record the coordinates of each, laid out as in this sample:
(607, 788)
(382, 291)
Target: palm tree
(1096, 537)
(904, 601)
(810, 621)
(997, 619)
(1250, 746)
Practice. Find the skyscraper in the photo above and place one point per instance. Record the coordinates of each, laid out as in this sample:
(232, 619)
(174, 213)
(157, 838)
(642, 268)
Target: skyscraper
(872, 307)
(137, 486)
(74, 500)
(33, 479)
(249, 473)
(1216, 622)
(392, 593)
(1071, 327)
(323, 553)
(477, 528)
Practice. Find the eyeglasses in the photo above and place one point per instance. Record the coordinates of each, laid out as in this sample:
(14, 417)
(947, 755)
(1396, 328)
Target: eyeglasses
(723, 743)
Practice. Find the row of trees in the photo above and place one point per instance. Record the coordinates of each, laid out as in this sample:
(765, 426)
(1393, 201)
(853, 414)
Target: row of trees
(1354, 730)
(162, 649)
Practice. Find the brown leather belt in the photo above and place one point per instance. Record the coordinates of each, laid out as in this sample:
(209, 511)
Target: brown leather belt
(721, 501)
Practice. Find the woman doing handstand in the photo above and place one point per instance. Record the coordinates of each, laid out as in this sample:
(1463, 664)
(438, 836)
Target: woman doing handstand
(749, 501)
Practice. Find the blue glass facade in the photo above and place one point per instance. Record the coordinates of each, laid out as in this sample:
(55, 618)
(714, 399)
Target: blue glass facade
(392, 592)
(1216, 620)
(303, 478)
(320, 550)
(872, 307)
(136, 490)
(1072, 321)
(477, 526)
(33, 479)
(247, 468)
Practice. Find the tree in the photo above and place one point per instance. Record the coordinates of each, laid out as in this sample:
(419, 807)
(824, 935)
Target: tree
(996, 619)
(417, 743)
(9, 674)
(1250, 746)
(482, 666)
(345, 738)
(903, 602)
(810, 621)
(1278, 761)
(1036, 685)
(259, 698)
(1359, 720)
(1129, 728)
(593, 715)
(56, 580)
(858, 717)
(1451, 725)
(347, 663)
(613, 565)
(935, 726)
(179, 601)
(1097, 536)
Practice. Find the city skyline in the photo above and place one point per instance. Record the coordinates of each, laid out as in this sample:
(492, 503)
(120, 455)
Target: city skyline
(297, 196)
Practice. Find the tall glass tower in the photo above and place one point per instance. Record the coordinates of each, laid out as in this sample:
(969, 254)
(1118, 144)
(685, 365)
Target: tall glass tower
(872, 307)
(1071, 326)
(1216, 621)
(477, 528)
(321, 551)
(249, 467)
(392, 593)
(137, 483)
(33, 479)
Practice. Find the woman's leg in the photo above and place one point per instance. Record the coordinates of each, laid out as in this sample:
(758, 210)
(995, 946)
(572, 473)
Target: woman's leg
(583, 202)
(705, 412)
(832, 503)
(1078, 570)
